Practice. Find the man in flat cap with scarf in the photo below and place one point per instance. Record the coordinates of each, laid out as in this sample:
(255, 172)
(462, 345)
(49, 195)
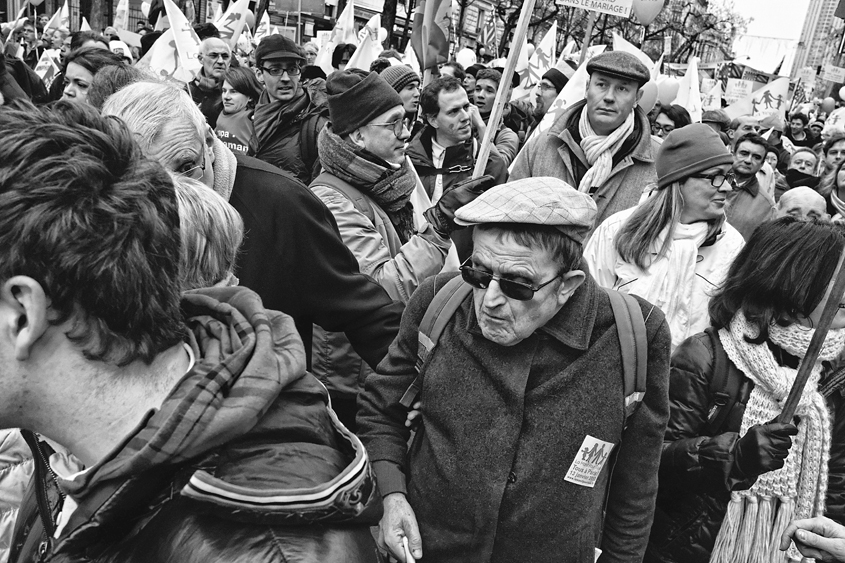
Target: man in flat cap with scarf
(602, 146)
(523, 416)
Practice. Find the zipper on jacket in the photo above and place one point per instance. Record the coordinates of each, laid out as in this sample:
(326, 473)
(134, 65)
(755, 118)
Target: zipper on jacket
(44, 511)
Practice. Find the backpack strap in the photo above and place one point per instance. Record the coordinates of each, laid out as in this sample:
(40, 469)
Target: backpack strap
(724, 385)
(348, 191)
(308, 130)
(440, 311)
(634, 346)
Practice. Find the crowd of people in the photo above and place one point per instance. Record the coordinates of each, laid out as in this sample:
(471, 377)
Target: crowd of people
(276, 315)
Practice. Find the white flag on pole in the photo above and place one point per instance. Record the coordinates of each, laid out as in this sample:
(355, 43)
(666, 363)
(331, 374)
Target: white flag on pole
(231, 24)
(689, 91)
(263, 29)
(186, 40)
(769, 99)
(84, 26)
(369, 48)
(120, 14)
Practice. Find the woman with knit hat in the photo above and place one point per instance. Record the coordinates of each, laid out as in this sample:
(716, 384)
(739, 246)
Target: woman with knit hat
(731, 478)
(675, 248)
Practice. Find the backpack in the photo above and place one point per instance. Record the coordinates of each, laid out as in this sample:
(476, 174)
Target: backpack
(310, 127)
(629, 323)
(348, 191)
(725, 385)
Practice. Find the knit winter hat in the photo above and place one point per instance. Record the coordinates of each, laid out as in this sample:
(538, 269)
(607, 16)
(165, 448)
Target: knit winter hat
(557, 78)
(688, 150)
(399, 76)
(356, 97)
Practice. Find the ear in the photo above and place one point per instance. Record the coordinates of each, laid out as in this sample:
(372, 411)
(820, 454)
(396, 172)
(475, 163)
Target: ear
(572, 280)
(26, 321)
(357, 137)
(639, 95)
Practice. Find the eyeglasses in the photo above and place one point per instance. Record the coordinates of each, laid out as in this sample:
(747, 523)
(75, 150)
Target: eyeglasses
(657, 128)
(196, 172)
(543, 86)
(215, 56)
(716, 180)
(513, 289)
(398, 125)
(292, 70)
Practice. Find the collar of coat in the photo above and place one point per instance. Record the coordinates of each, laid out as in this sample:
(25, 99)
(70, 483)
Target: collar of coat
(642, 151)
(572, 326)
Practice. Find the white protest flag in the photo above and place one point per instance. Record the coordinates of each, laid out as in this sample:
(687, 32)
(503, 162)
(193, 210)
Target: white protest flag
(232, 23)
(218, 12)
(53, 25)
(84, 26)
(162, 23)
(769, 99)
(64, 18)
(712, 100)
(567, 51)
(187, 42)
(121, 13)
(263, 29)
(543, 58)
(621, 44)
(246, 43)
(411, 58)
(46, 69)
(689, 91)
(369, 48)
(343, 32)
(162, 58)
(572, 93)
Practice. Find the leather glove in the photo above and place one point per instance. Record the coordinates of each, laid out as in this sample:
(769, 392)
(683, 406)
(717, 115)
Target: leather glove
(442, 215)
(764, 447)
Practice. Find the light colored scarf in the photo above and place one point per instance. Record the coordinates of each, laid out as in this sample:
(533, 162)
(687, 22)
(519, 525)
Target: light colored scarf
(671, 278)
(225, 168)
(757, 517)
(837, 202)
(599, 150)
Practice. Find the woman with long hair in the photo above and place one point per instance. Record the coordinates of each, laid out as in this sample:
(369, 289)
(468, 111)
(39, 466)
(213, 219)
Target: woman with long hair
(731, 477)
(673, 249)
(241, 91)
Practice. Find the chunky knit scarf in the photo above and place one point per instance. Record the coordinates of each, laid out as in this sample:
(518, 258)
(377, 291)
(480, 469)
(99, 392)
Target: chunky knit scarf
(756, 518)
(391, 188)
(837, 202)
(599, 150)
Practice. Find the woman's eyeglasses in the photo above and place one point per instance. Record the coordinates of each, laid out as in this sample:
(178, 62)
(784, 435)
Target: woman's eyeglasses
(513, 289)
(716, 180)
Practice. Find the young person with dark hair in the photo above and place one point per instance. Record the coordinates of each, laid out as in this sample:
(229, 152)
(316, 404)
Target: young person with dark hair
(731, 481)
(80, 68)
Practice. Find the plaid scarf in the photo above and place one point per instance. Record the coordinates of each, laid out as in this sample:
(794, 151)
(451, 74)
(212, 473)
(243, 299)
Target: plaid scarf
(391, 188)
(245, 356)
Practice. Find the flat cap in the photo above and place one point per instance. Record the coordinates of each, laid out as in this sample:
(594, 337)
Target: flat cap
(277, 47)
(533, 201)
(718, 116)
(621, 64)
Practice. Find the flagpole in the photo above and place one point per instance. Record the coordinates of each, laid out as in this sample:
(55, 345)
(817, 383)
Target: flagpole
(585, 44)
(504, 86)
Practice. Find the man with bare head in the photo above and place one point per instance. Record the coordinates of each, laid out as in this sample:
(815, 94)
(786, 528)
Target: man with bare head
(207, 88)
(803, 203)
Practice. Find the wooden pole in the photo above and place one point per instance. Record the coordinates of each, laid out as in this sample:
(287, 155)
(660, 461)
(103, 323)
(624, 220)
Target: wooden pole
(504, 87)
(831, 307)
(585, 44)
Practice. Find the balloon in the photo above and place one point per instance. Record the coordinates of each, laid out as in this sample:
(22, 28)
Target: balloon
(466, 57)
(382, 35)
(842, 93)
(667, 90)
(250, 19)
(647, 10)
(649, 97)
(828, 105)
(530, 50)
(482, 51)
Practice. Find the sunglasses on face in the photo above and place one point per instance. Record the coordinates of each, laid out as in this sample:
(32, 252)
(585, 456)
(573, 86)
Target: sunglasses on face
(513, 289)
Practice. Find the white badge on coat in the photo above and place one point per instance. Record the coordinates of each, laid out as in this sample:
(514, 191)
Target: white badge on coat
(588, 462)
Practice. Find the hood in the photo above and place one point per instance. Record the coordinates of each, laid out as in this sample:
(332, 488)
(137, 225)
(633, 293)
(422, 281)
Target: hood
(245, 356)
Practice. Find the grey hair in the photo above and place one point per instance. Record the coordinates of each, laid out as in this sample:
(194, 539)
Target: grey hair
(149, 108)
(205, 42)
(212, 232)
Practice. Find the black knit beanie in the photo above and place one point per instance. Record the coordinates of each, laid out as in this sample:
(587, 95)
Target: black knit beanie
(356, 97)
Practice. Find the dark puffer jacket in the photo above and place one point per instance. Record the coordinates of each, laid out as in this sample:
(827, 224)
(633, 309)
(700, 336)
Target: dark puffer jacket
(698, 470)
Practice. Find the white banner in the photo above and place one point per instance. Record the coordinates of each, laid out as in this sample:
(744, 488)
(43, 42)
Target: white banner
(621, 8)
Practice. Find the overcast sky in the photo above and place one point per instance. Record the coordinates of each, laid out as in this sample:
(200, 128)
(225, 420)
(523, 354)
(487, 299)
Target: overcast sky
(774, 18)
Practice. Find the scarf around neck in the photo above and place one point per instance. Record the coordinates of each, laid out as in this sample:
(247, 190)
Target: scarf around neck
(271, 115)
(391, 188)
(757, 517)
(599, 149)
(837, 202)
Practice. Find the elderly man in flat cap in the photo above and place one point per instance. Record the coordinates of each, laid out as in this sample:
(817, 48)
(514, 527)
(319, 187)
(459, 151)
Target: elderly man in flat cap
(602, 145)
(522, 398)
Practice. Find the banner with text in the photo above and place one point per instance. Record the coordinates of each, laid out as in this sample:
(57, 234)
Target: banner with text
(621, 8)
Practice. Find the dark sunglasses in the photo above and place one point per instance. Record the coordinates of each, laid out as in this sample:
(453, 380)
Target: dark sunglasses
(513, 289)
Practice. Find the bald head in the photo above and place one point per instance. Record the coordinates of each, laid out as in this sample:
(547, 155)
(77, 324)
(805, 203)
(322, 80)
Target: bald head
(215, 56)
(802, 203)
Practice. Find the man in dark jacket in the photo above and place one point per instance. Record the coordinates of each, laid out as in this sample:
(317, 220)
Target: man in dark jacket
(443, 154)
(201, 436)
(292, 255)
(287, 120)
(207, 88)
(522, 400)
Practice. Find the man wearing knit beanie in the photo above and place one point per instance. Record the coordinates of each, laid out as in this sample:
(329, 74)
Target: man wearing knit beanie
(367, 184)
(602, 145)
(406, 82)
